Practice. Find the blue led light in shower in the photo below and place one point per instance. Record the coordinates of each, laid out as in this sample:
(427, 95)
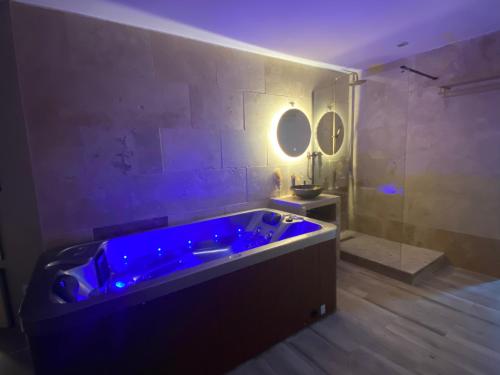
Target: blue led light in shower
(120, 284)
(390, 189)
(125, 257)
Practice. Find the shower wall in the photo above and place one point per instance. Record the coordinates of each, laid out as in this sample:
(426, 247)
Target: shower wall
(427, 166)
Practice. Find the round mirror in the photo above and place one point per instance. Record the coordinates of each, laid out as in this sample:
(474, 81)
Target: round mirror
(294, 132)
(330, 133)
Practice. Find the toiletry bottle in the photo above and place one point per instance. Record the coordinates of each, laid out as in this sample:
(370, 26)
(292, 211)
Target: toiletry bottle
(293, 180)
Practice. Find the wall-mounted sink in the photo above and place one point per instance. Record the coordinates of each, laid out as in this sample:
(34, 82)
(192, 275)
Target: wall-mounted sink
(307, 191)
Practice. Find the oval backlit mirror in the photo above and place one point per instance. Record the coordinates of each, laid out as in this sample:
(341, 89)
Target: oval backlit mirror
(294, 132)
(330, 133)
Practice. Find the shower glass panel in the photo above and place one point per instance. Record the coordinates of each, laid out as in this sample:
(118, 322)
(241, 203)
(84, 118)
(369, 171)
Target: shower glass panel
(365, 166)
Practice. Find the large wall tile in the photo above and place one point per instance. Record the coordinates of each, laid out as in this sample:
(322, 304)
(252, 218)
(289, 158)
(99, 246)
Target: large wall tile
(103, 46)
(378, 171)
(370, 201)
(384, 101)
(43, 44)
(121, 151)
(457, 212)
(447, 63)
(57, 165)
(179, 59)
(187, 191)
(216, 108)
(244, 148)
(369, 225)
(240, 70)
(70, 99)
(482, 56)
(382, 142)
(454, 140)
(295, 80)
(41, 56)
(215, 188)
(20, 229)
(150, 196)
(147, 150)
(189, 149)
(176, 105)
(263, 182)
(70, 205)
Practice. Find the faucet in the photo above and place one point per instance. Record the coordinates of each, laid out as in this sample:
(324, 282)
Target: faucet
(312, 155)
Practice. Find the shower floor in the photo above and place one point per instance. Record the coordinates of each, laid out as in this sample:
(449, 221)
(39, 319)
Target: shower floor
(394, 259)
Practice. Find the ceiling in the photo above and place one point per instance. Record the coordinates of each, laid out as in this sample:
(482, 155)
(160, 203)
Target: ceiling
(354, 34)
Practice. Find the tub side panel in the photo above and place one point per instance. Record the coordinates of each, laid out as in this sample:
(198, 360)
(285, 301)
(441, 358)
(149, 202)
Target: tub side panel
(328, 274)
(208, 328)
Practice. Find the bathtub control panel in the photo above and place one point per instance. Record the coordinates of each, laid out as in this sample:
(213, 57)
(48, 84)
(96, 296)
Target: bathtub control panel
(271, 218)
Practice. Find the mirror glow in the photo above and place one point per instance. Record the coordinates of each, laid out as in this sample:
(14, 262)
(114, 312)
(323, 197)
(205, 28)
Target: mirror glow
(273, 135)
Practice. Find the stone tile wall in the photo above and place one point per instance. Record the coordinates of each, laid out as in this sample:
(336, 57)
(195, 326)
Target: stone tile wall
(20, 235)
(126, 124)
(441, 154)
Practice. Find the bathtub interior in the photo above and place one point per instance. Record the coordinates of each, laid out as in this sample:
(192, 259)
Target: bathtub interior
(125, 261)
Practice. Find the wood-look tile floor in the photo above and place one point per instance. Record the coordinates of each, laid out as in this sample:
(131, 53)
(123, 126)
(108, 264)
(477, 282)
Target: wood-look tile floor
(14, 353)
(448, 323)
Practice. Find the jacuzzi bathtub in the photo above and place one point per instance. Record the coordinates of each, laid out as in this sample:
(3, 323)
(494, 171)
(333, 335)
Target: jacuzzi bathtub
(84, 285)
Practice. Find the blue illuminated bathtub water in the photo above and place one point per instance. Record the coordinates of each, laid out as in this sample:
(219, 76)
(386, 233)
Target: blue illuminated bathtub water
(142, 266)
(149, 255)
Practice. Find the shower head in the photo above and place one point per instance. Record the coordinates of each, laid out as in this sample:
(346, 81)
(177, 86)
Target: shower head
(357, 82)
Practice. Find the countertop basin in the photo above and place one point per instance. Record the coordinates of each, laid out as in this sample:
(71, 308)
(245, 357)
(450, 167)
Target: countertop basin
(307, 191)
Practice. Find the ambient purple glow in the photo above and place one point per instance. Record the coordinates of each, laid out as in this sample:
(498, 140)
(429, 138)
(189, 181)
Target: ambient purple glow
(355, 34)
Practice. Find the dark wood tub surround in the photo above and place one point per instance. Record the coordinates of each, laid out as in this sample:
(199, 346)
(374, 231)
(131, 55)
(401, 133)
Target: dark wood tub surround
(205, 329)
